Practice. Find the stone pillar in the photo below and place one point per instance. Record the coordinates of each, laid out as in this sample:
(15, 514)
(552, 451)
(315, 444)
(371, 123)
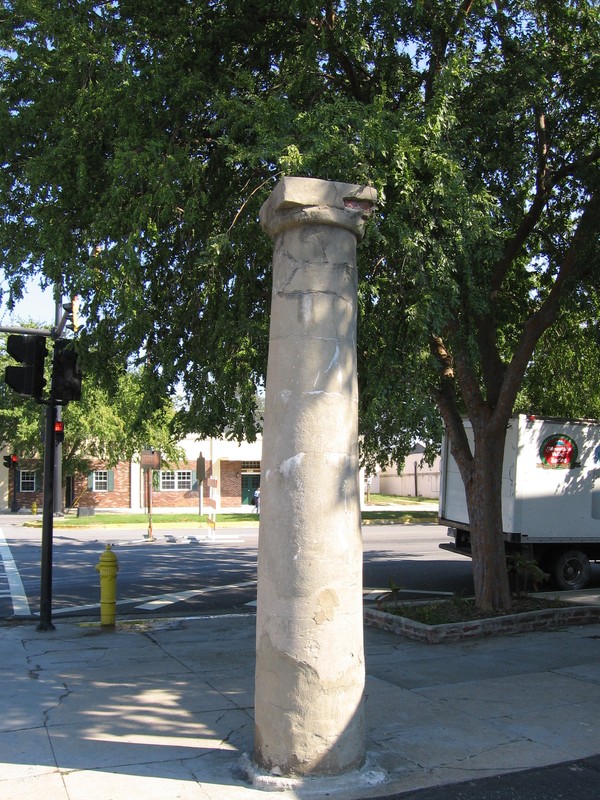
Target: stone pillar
(310, 657)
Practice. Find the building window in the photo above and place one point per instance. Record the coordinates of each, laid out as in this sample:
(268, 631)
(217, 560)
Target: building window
(179, 480)
(251, 466)
(100, 480)
(184, 479)
(167, 480)
(27, 481)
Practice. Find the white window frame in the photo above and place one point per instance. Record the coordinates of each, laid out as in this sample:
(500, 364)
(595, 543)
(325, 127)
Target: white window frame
(100, 480)
(179, 480)
(27, 480)
(167, 480)
(184, 480)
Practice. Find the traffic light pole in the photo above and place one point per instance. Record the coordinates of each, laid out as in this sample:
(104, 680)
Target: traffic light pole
(45, 623)
(58, 507)
(28, 347)
(15, 505)
(58, 495)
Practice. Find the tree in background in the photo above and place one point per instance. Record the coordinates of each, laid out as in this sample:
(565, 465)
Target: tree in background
(563, 377)
(100, 427)
(139, 140)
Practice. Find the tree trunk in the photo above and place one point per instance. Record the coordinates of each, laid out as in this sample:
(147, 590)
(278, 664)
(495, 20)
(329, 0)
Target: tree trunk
(484, 503)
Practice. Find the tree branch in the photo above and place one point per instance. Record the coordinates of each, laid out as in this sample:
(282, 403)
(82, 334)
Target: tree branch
(546, 184)
(439, 45)
(541, 141)
(574, 266)
(446, 402)
(349, 68)
(492, 366)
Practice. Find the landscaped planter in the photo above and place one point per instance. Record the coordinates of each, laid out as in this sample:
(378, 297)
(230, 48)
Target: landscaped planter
(457, 631)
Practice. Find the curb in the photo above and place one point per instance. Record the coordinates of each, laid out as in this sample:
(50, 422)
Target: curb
(406, 520)
(545, 619)
(156, 526)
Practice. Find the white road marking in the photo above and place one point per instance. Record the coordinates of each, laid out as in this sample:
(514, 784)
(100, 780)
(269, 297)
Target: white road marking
(370, 595)
(17, 590)
(152, 603)
(176, 597)
(373, 594)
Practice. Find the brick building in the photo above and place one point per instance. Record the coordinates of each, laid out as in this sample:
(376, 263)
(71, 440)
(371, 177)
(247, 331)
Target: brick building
(236, 468)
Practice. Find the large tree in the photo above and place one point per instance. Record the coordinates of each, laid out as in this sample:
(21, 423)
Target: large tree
(140, 138)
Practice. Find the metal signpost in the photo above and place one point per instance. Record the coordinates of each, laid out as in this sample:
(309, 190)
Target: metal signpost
(211, 502)
(150, 460)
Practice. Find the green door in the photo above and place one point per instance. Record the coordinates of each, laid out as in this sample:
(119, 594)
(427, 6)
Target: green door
(250, 484)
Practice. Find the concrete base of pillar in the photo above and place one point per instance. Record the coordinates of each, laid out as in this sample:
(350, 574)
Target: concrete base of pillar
(369, 775)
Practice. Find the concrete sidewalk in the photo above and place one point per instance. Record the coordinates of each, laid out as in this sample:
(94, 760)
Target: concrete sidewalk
(162, 710)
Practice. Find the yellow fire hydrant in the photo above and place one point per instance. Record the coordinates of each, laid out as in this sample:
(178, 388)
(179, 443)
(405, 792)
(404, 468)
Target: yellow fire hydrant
(108, 567)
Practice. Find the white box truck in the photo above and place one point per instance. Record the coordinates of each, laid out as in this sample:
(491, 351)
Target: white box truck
(550, 496)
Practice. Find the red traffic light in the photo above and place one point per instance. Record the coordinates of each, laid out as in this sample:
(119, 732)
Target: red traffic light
(14, 460)
(59, 431)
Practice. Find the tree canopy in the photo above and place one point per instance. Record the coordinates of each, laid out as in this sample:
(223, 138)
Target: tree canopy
(139, 140)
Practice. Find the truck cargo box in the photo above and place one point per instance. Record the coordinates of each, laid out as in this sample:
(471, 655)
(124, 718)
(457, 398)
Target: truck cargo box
(550, 489)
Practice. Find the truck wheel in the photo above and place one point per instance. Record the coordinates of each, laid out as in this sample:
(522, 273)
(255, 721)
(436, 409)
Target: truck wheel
(570, 570)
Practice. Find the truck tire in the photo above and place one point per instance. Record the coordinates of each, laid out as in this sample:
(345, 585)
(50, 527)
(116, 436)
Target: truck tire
(570, 569)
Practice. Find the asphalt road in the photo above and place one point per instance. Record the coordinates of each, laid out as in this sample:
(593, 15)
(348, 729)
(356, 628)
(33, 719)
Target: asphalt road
(571, 780)
(191, 572)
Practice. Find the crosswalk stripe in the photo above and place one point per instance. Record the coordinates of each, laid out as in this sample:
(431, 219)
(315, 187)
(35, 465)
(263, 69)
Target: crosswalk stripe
(17, 590)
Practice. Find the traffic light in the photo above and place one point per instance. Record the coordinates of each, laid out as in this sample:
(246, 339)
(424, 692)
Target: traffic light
(66, 375)
(11, 462)
(31, 351)
(59, 431)
(72, 311)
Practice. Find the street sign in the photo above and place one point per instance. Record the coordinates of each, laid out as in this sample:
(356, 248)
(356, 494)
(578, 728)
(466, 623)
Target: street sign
(150, 459)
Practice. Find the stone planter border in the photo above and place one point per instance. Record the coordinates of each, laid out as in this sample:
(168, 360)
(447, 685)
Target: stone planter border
(496, 626)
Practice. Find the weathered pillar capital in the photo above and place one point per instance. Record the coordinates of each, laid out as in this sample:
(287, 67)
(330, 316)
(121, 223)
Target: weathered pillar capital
(311, 201)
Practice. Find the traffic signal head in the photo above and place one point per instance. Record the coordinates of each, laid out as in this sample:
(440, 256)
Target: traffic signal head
(59, 431)
(66, 375)
(31, 351)
(11, 462)
(72, 311)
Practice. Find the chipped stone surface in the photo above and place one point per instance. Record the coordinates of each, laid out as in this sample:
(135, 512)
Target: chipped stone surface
(304, 201)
